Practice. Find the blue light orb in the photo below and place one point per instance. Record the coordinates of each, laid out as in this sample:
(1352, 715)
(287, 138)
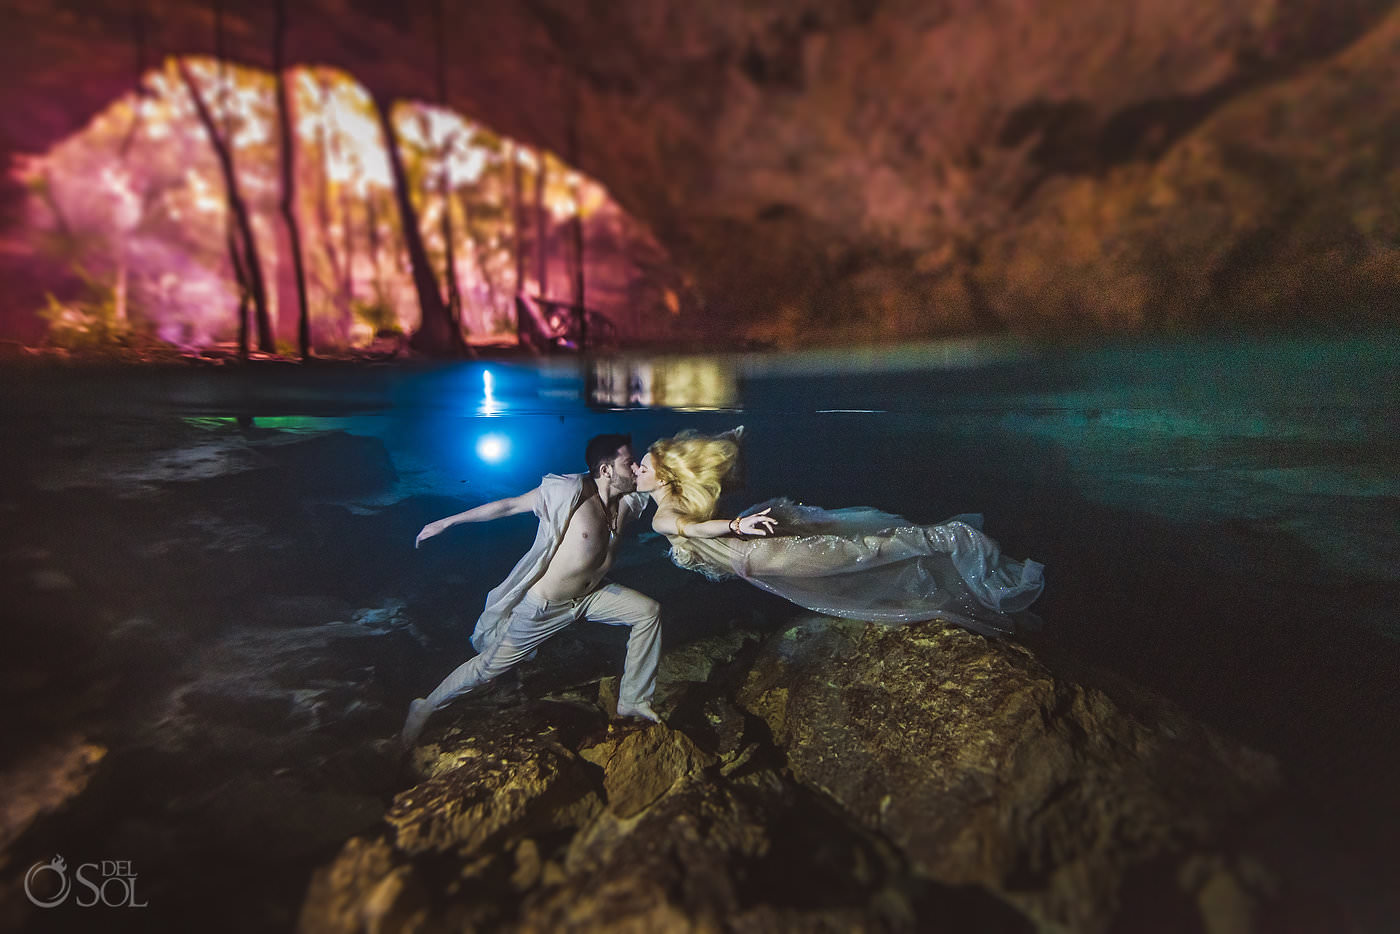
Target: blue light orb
(493, 448)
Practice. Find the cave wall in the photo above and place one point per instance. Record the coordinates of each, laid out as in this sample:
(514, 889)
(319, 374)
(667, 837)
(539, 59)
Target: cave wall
(858, 167)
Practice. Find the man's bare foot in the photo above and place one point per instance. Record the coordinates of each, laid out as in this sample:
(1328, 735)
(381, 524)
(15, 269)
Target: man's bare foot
(642, 710)
(419, 711)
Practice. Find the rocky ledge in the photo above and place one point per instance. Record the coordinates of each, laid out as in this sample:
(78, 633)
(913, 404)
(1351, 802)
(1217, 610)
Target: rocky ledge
(833, 776)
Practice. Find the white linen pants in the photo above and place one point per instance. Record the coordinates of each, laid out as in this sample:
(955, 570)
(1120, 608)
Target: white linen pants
(534, 621)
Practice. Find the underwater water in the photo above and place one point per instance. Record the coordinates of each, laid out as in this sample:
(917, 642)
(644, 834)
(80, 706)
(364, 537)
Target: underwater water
(216, 604)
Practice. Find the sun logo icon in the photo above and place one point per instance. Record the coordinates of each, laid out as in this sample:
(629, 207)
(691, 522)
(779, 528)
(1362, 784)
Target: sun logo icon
(56, 865)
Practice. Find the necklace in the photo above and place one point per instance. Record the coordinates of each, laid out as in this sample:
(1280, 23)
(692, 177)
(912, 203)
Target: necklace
(612, 514)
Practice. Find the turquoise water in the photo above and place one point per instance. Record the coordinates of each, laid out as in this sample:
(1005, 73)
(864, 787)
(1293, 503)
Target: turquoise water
(1294, 443)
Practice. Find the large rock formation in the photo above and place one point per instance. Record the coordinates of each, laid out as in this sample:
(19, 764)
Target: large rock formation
(881, 168)
(986, 769)
(835, 776)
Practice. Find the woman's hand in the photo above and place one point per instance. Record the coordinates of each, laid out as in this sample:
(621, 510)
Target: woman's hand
(760, 523)
(430, 530)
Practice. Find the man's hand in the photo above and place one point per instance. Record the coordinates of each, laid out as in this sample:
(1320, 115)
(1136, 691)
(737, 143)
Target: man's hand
(431, 529)
(510, 506)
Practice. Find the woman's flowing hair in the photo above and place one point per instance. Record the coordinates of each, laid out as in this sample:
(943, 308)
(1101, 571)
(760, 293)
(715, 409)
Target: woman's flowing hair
(696, 466)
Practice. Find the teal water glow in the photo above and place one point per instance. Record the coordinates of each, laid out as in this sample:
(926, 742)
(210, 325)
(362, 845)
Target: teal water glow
(1293, 440)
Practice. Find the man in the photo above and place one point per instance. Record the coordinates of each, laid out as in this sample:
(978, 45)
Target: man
(560, 580)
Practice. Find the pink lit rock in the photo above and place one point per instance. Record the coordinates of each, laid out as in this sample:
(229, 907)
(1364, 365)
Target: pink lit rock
(874, 170)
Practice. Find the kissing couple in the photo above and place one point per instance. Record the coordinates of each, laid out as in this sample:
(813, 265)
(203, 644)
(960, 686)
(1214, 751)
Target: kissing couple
(858, 563)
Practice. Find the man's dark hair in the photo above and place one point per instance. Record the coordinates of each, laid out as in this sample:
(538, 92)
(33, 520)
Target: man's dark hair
(603, 448)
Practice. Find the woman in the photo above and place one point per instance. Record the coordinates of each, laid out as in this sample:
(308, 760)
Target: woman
(859, 563)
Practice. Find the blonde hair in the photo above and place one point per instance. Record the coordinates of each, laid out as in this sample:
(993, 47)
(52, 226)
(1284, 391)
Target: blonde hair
(695, 466)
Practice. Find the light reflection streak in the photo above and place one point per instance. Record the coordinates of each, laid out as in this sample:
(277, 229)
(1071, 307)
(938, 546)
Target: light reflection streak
(490, 405)
(686, 384)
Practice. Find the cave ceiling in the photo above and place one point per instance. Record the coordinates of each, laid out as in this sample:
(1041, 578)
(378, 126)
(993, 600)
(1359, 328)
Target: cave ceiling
(899, 168)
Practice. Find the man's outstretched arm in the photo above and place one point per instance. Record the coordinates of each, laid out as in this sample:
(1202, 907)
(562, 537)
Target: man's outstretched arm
(510, 506)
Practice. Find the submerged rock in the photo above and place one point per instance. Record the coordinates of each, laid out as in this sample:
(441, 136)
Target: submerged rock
(986, 768)
(42, 782)
(474, 847)
(640, 767)
(483, 791)
(838, 776)
(200, 460)
(713, 857)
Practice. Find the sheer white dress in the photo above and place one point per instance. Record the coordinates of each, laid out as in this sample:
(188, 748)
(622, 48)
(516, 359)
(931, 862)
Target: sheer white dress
(861, 563)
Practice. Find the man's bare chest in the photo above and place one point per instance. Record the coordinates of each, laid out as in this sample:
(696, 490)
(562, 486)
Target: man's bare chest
(588, 534)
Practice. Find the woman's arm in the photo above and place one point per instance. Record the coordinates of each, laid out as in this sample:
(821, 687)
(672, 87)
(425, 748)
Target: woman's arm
(510, 506)
(668, 523)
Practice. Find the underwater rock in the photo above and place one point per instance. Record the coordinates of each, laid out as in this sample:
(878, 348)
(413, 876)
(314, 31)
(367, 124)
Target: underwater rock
(481, 791)
(138, 466)
(696, 660)
(464, 833)
(365, 889)
(542, 816)
(985, 768)
(837, 776)
(753, 854)
(193, 460)
(285, 681)
(641, 766)
(696, 862)
(41, 782)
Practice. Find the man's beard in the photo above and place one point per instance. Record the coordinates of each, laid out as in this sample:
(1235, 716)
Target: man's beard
(625, 484)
